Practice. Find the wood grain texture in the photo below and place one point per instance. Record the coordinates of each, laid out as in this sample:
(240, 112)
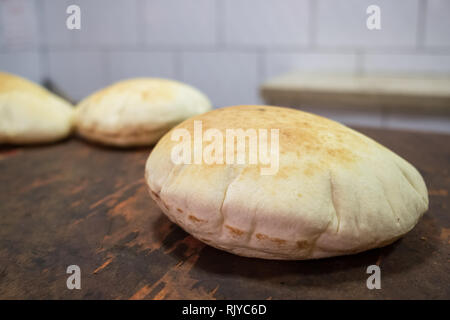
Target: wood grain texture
(77, 203)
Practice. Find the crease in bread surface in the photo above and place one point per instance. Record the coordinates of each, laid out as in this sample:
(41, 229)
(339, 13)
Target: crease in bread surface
(221, 212)
(334, 202)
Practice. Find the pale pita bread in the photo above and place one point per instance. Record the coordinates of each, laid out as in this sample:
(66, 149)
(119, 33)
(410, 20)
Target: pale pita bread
(336, 192)
(137, 112)
(31, 114)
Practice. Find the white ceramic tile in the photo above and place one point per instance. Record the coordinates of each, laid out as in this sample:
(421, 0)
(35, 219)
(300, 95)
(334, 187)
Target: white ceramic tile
(349, 116)
(19, 24)
(343, 23)
(407, 63)
(78, 73)
(266, 23)
(54, 23)
(103, 22)
(129, 64)
(279, 63)
(228, 78)
(174, 22)
(437, 23)
(25, 64)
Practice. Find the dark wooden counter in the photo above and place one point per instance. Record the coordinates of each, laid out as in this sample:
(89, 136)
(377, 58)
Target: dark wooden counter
(76, 203)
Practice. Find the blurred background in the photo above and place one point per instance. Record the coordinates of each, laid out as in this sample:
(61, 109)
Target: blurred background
(228, 48)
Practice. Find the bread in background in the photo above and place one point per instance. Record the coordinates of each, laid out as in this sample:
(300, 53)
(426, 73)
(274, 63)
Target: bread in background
(29, 113)
(137, 112)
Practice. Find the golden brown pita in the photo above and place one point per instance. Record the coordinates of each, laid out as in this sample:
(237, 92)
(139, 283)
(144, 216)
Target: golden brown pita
(31, 114)
(336, 191)
(137, 111)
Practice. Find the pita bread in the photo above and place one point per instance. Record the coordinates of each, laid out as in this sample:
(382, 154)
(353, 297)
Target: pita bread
(336, 191)
(31, 114)
(137, 112)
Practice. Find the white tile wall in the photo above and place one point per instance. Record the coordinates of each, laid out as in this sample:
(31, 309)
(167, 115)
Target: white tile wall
(54, 23)
(19, 24)
(343, 23)
(266, 23)
(437, 23)
(103, 22)
(129, 64)
(350, 116)
(78, 73)
(228, 78)
(174, 22)
(225, 47)
(407, 63)
(25, 64)
(278, 63)
(108, 24)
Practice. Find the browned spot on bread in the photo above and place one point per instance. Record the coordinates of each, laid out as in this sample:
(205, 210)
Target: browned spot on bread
(311, 168)
(261, 236)
(300, 133)
(302, 244)
(235, 231)
(195, 219)
(286, 134)
(277, 240)
(342, 154)
(179, 210)
(149, 89)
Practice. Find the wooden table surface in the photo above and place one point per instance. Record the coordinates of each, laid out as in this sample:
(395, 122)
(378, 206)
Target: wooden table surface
(77, 203)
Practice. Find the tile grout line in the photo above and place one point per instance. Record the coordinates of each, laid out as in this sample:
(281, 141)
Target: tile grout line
(43, 49)
(421, 24)
(312, 24)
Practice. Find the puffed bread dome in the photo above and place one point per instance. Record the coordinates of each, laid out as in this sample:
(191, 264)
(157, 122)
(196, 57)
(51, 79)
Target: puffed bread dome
(336, 192)
(31, 114)
(138, 111)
